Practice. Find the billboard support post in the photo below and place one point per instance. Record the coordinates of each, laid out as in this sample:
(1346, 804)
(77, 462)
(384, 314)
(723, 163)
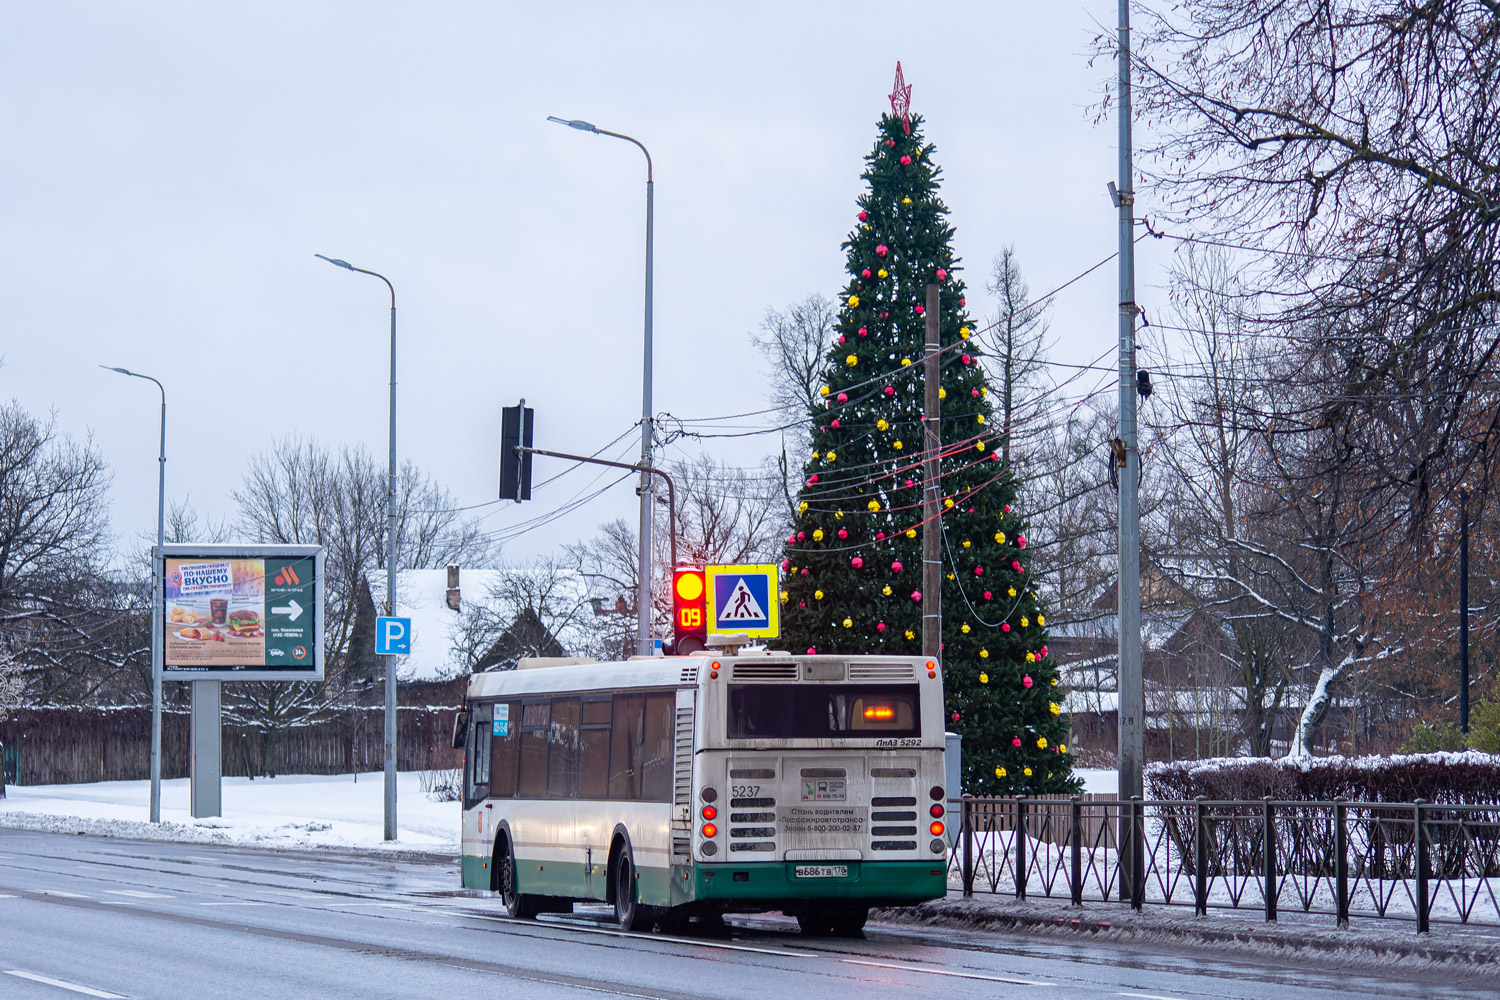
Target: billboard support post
(205, 725)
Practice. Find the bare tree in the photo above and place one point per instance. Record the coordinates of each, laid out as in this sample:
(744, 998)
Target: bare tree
(541, 608)
(793, 341)
(1016, 349)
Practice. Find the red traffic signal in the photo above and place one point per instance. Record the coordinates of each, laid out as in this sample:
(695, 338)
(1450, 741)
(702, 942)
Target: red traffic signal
(689, 611)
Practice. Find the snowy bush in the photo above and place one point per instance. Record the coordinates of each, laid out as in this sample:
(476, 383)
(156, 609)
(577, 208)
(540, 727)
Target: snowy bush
(442, 785)
(1450, 778)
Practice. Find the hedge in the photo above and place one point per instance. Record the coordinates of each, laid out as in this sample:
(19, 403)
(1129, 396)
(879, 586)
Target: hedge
(1466, 778)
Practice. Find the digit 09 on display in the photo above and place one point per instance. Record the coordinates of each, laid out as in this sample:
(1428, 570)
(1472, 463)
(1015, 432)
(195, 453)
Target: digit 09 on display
(689, 610)
(241, 612)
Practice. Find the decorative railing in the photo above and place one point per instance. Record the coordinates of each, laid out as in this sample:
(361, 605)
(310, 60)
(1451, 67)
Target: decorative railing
(1414, 861)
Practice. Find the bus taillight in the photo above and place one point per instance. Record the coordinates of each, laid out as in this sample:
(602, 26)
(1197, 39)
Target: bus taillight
(936, 828)
(711, 831)
(709, 812)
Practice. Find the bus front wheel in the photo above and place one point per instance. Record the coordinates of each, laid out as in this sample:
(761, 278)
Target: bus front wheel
(517, 905)
(629, 913)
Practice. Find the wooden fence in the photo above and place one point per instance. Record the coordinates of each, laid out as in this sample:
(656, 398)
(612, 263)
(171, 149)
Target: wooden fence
(68, 745)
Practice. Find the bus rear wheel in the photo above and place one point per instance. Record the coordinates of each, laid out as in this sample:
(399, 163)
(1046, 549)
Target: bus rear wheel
(629, 913)
(517, 904)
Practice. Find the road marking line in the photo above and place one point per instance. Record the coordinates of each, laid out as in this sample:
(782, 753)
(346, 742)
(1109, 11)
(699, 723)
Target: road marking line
(115, 902)
(59, 892)
(6, 895)
(49, 981)
(944, 972)
(1147, 996)
(194, 857)
(138, 894)
(608, 932)
(237, 902)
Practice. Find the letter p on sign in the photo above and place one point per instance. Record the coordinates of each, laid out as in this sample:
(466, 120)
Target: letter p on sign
(392, 636)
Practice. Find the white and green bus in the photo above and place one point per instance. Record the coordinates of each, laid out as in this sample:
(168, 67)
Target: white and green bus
(687, 786)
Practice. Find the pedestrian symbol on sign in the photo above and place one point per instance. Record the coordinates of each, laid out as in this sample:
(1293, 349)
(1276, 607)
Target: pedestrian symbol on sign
(742, 605)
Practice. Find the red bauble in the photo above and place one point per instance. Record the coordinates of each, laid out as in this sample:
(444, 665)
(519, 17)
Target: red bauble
(812, 650)
(801, 536)
(891, 143)
(804, 570)
(841, 338)
(880, 536)
(910, 484)
(966, 359)
(889, 390)
(882, 250)
(961, 303)
(1005, 626)
(919, 310)
(1016, 742)
(916, 595)
(987, 595)
(786, 564)
(843, 533)
(1042, 652)
(906, 161)
(880, 626)
(979, 571)
(942, 275)
(863, 215)
(1007, 508)
(863, 332)
(812, 479)
(896, 566)
(1027, 681)
(843, 397)
(1020, 541)
(857, 563)
(865, 273)
(835, 423)
(1016, 565)
(972, 392)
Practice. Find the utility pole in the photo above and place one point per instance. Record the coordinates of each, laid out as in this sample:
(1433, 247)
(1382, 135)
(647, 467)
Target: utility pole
(1463, 610)
(1128, 677)
(932, 436)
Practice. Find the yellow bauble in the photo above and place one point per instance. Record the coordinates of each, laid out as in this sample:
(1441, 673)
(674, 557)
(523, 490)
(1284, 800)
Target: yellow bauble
(999, 772)
(816, 455)
(979, 419)
(823, 391)
(1040, 620)
(983, 392)
(911, 532)
(851, 360)
(1027, 772)
(801, 507)
(1062, 747)
(838, 515)
(832, 455)
(906, 201)
(881, 425)
(1000, 540)
(948, 502)
(1025, 621)
(906, 362)
(867, 229)
(980, 446)
(1054, 708)
(984, 678)
(817, 595)
(1013, 592)
(884, 273)
(897, 445)
(785, 597)
(964, 629)
(1041, 742)
(910, 634)
(1030, 657)
(984, 654)
(854, 302)
(951, 576)
(942, 393)
(967, 543)
(818, 534)
(848, 623)
(963, 332)
(887, 590)
(874, 505)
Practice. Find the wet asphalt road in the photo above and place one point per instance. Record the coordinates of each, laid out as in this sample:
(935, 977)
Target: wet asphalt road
(99, 917)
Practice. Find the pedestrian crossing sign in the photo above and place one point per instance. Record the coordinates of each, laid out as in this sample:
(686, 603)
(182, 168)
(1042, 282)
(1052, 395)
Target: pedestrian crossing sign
(745, 599)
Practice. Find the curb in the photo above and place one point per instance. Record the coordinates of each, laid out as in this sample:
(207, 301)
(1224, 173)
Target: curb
(1350, 947)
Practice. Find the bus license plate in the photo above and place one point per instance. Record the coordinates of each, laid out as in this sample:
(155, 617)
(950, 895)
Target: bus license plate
(822, 871)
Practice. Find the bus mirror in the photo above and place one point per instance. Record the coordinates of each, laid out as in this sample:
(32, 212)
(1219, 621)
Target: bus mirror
(461, 729)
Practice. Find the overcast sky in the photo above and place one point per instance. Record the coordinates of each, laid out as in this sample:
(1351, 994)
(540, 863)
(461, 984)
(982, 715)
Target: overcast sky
(168, 171)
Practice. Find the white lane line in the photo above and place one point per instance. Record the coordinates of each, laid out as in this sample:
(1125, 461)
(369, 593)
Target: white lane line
(138, 894)
(237, 902)
(61, 984)
(1147, 996)
(6, 895)
(115, 902)
(944, 972)
(66, 895)
(606, 932)
(194, 857)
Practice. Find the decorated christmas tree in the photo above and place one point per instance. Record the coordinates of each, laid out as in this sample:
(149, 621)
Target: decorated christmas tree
(851, 572)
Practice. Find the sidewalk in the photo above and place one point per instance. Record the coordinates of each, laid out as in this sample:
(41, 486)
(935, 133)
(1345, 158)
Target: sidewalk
(1367, 943)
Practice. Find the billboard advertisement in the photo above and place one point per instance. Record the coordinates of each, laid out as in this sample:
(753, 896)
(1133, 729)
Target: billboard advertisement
(241, 612)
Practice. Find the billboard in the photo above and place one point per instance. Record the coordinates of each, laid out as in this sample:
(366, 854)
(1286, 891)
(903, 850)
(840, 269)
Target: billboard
(241, 612)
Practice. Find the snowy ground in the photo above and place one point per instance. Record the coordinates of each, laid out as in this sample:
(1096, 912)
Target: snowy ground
(288, 811)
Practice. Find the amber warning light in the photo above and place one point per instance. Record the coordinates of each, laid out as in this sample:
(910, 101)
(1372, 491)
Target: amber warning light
(880, 712)
(689, 611)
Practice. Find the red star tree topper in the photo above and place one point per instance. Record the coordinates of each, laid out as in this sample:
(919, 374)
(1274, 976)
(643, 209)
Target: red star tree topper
(901, 99)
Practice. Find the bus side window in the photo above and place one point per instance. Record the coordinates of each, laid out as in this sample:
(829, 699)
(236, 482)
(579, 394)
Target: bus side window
(505, 742)
(593, 749)
(562, 765)
(477, 759)
(625, 741)
(656, 780)
(536, 719)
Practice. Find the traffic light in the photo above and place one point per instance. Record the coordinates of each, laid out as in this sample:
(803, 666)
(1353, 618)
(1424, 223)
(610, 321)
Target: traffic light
(689, 611)
(515, 467)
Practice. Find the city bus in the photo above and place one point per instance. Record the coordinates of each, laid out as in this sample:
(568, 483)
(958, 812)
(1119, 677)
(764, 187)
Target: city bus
(675, 787)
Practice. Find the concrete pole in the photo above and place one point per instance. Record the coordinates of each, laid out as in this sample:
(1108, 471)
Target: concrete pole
(648, 495)
(1131, 693)
(390, 600)
(932, 526)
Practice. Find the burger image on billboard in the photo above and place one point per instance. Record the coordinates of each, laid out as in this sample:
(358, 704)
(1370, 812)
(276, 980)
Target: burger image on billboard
(245, 623)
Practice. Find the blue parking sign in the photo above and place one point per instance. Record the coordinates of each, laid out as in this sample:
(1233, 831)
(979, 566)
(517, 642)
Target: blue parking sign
(392, 636)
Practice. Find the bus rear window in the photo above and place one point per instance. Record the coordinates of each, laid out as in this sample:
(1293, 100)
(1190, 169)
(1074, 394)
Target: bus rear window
(822, 711)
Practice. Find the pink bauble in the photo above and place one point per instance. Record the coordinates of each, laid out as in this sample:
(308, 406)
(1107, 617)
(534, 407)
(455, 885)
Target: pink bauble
(857, 563)
(971, 510)
(955, 716)
(864, 332)
(972, 392)
(863, 215)
(843, 533)
(1016, 742)
(791, 539)
(880, 626)
(865, 273)
(961, 303)
(882, 250)
(979, 571)
(804, 570)
(1015, 564)
(910, 484)
(1042, 652)
(823, 429)
(896, 566)
(841, 338)
(786, 564)
(812, 480)
(801, 604)
(1007, 508)
(812, 650)
(919, 310)
(843, 397)
(906, 161)
(889, 390)
(988, 595)
(916, 595)
(942, 275)
(880, 536)
(891, 143)
(885, 315)
(835, 422)
(1026, 681)
(1005, 626)
(801, 536)
(966, 359)
(996, 457)
(1021, 541)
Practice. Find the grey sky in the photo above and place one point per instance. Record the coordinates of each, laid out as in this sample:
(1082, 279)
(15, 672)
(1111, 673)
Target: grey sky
(170, 169)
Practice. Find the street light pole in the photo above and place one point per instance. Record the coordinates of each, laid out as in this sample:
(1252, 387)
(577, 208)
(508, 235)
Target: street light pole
(390, 571)
(643, 596)
(158, 619)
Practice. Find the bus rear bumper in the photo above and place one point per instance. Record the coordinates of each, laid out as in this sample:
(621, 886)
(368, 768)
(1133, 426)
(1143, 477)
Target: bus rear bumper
(876, 882)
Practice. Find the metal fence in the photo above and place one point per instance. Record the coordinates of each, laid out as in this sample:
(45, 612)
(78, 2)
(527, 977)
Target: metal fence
(1416, 861)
